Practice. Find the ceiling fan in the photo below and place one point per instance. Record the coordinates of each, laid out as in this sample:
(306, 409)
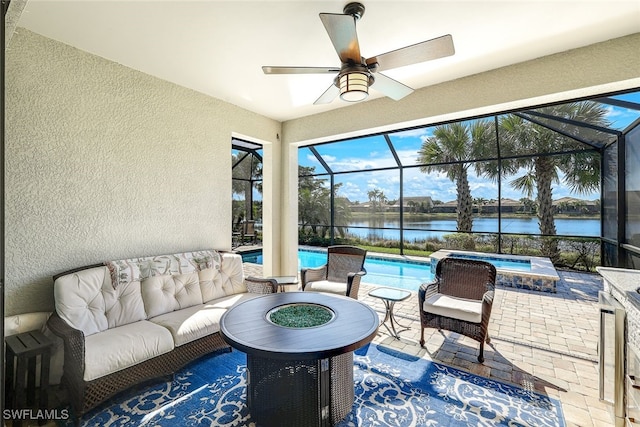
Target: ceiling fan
(357, 74)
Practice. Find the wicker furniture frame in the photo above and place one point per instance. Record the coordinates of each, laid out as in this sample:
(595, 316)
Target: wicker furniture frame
(324, 390)
(344, 263)
(460, 278)
(87, 395)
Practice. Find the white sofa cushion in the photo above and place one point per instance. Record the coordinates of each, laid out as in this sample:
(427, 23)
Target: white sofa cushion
(456, 308)
(87, 301)
(210, 284)
(164, 294)
(195, 322)
(327, 286)
(124, 304)
(187, 290)
(158, 294)
(232, 275)
(79, 299)
(118, 348)
(228, 279)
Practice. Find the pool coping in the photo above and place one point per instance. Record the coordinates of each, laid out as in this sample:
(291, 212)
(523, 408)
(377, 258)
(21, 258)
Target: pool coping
(413, 259)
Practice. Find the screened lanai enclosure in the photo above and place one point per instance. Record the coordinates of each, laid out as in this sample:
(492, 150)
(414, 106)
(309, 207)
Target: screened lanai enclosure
(246, 163)
(560, 181)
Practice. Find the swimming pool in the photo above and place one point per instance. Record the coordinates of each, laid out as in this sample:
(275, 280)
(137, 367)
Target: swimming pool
(525, 272)
(401, 273)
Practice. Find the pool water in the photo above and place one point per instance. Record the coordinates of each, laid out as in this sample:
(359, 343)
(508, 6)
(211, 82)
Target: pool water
(403, 274)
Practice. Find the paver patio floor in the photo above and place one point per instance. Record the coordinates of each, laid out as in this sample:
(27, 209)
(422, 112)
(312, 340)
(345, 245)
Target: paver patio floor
(541, 341)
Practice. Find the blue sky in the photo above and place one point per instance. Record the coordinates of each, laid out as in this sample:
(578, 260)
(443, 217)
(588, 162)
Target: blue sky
(372, 153)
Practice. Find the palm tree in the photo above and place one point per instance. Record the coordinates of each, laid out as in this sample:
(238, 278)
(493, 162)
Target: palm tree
(449, 150)
(314, 210)
(377, 199)
(342, 212)
(580, 170)
(528, 205)
(480, 202)
(563, 207)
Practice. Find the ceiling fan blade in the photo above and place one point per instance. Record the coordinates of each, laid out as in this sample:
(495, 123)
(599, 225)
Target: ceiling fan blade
(342, 32)
(328, 95)
(391, 88)
(299, 70)
(414, 54)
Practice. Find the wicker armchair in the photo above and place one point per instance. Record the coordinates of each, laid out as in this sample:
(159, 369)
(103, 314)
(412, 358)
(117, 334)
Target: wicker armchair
(259, 285)
(459, 299)
(340, 275)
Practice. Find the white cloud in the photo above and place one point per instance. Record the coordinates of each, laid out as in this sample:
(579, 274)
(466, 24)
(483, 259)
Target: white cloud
(359, 164)
(407, 157)
(436, 185)
(414, 133)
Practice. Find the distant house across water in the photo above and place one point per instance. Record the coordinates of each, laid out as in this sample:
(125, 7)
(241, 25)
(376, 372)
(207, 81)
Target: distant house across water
(564, 205)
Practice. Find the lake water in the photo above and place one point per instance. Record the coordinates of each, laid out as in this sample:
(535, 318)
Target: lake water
(418, 230)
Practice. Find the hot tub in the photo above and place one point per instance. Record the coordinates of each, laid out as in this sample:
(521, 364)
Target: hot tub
(516, 271)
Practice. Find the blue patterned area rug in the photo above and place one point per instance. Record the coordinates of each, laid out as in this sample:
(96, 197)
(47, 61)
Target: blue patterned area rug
(391, 389)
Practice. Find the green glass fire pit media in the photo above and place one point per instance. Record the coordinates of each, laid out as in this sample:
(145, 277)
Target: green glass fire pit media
(300, 315)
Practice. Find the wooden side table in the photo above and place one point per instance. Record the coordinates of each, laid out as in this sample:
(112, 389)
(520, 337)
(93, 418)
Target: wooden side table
(24, 349)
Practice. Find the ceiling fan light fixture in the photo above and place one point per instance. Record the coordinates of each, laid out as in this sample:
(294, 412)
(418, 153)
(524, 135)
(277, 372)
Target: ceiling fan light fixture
(354, 86)
(356, 73)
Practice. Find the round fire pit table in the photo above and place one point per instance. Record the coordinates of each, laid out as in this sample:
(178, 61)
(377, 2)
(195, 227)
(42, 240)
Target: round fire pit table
(300, 376)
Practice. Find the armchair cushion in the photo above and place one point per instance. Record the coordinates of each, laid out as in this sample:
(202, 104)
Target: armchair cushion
(456, 308)
(327, 286)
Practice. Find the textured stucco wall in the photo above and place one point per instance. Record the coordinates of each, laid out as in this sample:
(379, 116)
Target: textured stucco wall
(104, 162)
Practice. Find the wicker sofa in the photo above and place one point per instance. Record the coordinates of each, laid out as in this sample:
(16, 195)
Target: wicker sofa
(127, 321)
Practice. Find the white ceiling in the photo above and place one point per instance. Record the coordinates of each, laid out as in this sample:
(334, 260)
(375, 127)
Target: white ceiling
(218, 47)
